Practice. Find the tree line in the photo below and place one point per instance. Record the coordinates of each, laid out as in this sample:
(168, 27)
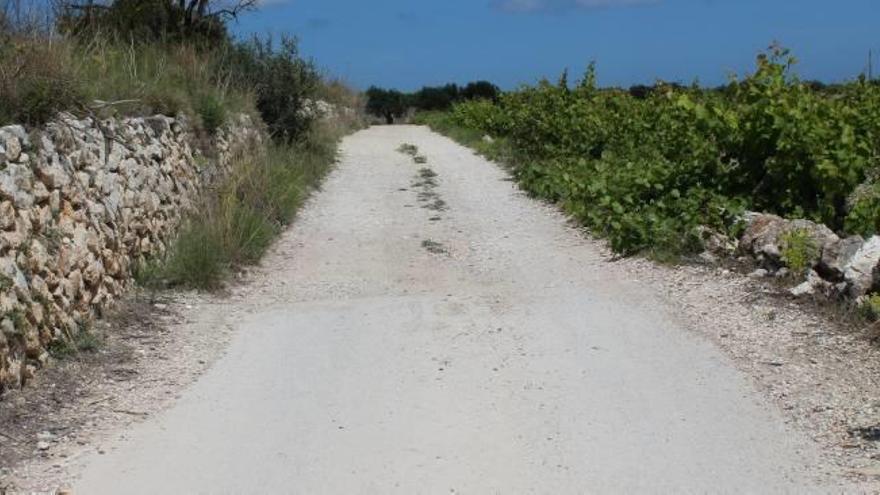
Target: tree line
(391, 104)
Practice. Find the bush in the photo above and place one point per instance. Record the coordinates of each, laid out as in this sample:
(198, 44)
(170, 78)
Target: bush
(648, 170)
(799, 251)
(279, 78)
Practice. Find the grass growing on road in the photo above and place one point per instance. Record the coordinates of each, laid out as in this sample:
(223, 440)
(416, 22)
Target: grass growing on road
(408, 149)
(250, 209)
(433, 247)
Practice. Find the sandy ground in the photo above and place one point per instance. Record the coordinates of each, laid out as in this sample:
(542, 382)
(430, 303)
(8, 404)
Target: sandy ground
(421, 334)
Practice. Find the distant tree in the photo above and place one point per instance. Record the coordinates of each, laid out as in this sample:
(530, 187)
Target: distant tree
(386, 103)
(436, 98)
(640, 91)
(480, 90)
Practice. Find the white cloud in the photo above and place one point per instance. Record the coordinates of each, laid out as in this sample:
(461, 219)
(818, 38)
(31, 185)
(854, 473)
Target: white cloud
(557, 5)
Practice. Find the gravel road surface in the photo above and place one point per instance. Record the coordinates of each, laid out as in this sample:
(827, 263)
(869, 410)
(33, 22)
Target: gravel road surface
(415, 333)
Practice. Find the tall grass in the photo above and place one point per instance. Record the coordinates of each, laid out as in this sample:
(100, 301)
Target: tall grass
(38, 77)
(145, 79)
(42, 76)
(238, 224)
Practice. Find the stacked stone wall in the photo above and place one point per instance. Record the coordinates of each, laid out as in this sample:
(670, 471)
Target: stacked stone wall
(82, 203)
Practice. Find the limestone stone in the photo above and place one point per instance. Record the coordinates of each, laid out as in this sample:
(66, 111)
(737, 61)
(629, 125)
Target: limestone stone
(859, 272)
(76, 209)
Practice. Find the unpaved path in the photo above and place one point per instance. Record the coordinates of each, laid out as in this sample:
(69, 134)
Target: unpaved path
(500, 357)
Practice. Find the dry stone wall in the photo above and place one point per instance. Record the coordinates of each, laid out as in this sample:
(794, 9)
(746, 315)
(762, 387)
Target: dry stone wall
(82, 202)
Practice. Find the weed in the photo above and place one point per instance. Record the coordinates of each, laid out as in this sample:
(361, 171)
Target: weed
(197, 260)
(420, 159)
(437, 205)
(433, 247)
(870, 309)
(799, 251)
(83, 340)
(408, 149)
(426, 178)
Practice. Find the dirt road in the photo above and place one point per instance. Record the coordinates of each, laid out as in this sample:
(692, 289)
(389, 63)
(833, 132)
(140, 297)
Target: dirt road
(453, 338)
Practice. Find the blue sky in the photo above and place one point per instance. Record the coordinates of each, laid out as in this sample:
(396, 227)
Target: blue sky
(408, 44)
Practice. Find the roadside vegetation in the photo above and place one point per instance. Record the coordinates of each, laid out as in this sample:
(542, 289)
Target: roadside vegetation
(143, 57)
(648, 169)
(249, 210)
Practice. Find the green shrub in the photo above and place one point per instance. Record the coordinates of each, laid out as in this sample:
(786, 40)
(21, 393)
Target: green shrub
(280, 79)
(870, 308)
(212, 112)
(799, 251)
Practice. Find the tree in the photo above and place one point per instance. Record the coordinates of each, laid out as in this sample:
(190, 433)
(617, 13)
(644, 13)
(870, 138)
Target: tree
(386, 103)
(281, 80)
(152, 20)
(480, 90)
(436, 98)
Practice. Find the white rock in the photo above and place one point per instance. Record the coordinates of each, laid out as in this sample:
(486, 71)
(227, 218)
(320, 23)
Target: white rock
(837, 256)
(16, 184)
(813, 284)
(859, 272)
(803, 289)
(13, 147)
(16, 131)
(53, 174)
